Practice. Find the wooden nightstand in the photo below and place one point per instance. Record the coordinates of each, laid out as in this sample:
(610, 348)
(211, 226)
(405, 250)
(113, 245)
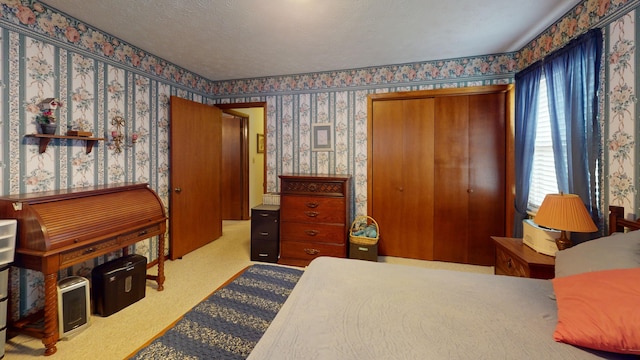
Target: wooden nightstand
(516, 259)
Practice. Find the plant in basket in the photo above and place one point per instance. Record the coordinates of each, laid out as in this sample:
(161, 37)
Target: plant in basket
(46, 117)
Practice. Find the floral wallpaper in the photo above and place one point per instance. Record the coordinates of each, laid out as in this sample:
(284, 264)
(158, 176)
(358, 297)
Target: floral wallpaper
(621, 128)
(586, 15)
(98, 77)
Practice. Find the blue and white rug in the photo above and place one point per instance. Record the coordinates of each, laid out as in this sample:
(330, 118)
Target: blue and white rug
(229, 323)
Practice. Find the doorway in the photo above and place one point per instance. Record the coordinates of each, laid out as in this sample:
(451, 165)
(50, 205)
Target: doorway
(235, 166)
(256, 158)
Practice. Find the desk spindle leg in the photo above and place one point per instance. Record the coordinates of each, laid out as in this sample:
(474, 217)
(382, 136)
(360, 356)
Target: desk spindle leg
(50, 332)
(160, 279)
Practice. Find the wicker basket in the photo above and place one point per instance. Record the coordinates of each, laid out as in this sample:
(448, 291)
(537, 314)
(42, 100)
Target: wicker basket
(363, 240)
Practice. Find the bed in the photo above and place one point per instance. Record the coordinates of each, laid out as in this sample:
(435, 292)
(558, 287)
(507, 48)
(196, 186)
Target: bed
(354, 309)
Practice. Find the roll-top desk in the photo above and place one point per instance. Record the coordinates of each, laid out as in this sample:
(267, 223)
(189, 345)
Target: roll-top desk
(315, 216)
(61, 228)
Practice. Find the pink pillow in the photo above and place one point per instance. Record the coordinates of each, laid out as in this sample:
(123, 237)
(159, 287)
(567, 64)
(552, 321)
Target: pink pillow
(600, 310)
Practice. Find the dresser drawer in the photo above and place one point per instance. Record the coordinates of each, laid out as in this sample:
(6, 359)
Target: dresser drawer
(141, 234)
(314, 186)
(265, 250)
(307, 251)
(264, 216)
(306, 232)
(506, 264)
(313, 209)
(265, 231)
(79, 255)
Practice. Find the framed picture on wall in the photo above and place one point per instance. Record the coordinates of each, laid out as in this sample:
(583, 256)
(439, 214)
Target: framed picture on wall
(322, 137)
(260, 144)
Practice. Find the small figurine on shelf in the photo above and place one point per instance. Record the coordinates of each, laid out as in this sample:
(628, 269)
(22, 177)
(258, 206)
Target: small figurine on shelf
(46, 120)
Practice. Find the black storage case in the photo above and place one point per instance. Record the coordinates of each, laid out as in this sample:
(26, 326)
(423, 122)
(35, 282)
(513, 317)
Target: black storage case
(118, 284)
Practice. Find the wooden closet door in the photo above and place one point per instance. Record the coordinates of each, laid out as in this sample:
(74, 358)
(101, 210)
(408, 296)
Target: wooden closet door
(451, 185)
(487, 175)
(402, 176)
(440, 171)
(470, 177)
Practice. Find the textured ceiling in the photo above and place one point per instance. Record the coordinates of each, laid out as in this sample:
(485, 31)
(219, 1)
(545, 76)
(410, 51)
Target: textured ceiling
(237, 39)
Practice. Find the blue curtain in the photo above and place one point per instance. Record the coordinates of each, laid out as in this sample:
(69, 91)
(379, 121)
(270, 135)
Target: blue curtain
(527, 89)
(572, 75)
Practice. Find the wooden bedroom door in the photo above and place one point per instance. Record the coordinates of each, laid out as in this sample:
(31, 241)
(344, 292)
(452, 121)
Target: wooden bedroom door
(401, 176)
(195, 158)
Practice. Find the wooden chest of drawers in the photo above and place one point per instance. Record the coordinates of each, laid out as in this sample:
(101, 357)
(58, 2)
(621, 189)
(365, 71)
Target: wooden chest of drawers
(315, 216)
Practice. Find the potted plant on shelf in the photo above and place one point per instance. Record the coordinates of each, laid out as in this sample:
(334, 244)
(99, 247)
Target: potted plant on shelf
(46, 120)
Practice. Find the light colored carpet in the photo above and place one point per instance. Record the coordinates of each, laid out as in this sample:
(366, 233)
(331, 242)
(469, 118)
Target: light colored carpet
(189, 281)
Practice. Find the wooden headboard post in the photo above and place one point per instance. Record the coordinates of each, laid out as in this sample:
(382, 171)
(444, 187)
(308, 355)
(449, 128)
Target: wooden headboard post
(617, 222)
(615, 213)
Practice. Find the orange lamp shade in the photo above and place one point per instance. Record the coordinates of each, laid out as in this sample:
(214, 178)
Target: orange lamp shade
(564, 212)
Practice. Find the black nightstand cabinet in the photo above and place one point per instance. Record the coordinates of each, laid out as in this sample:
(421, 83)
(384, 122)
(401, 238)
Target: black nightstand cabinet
(265, 233)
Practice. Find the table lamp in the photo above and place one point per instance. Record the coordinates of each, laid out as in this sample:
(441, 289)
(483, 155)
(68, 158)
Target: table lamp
(564, 212)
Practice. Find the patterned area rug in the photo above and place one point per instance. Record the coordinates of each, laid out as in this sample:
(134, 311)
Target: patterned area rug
(229, 323)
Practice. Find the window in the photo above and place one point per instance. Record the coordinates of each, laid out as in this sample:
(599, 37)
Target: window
(543, 172)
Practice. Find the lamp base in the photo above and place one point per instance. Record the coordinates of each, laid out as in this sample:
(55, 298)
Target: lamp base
(563, 242)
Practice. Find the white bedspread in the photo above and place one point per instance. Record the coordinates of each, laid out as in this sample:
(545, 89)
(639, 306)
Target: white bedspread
(354, 309)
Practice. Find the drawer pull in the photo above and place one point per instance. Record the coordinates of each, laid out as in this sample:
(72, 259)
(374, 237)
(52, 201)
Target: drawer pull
(312, 205)
(263, 255)
(312, 232)
(264, 214)
(312, 251)
(264, 233)
(143, 232)
(311, 213)
(89, 250)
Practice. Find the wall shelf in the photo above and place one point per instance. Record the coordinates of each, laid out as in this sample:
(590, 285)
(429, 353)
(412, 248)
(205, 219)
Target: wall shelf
(45, 138)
